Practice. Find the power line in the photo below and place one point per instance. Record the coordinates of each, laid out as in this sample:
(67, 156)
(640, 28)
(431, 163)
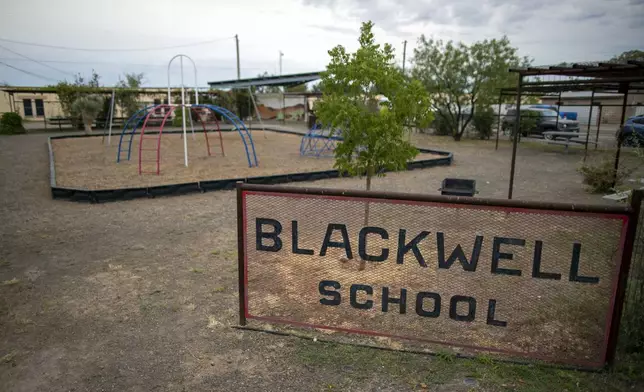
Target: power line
(27, 72)
(114, 50)
(114, 63)
(36, 61)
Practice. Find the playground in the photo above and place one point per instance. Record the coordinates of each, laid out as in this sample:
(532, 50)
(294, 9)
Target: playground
(86, 163)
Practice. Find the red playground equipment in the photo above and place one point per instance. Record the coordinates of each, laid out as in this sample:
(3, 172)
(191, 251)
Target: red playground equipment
(153, 143)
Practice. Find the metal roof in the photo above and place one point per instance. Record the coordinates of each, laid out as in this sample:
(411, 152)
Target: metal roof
(608, 69)
(282, 80)
(107, 90)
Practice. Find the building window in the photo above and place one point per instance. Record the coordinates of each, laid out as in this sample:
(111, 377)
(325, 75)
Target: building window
(40, 107)
(27, 107)
(157, 102)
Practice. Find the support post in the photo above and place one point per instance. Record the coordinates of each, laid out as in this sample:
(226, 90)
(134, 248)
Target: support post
(590, 117)
(259, 117)
(599, 122)
(498, 123)
(241, 266)
(109, 132)
(183, 114)
(515, 141)
(624, 89)
(558, 108)
(627, 251)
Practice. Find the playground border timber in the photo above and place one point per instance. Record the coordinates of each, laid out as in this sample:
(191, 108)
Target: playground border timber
(103, 195)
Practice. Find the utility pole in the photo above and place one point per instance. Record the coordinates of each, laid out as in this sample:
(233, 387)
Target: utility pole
(281, 55)
(283, 89)
(237, 44)
(404, 54)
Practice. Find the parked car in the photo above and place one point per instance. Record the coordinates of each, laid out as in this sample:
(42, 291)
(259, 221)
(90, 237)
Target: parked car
(545, 120)
(632, 132)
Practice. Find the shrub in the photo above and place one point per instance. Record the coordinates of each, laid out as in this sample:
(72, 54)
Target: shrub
(600, 176)
(88, 107)
(11, 124)
(440, 126)
(483, 121)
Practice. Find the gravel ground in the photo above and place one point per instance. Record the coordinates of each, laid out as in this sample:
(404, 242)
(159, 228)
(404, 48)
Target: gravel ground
(140, 295)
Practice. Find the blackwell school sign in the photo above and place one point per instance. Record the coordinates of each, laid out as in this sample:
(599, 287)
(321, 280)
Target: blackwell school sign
(519, 279)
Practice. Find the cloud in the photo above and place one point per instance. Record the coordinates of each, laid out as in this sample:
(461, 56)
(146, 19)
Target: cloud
(551, 31)
(335, 29)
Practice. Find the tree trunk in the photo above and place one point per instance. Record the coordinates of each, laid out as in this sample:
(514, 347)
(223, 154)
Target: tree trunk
(370, 171)
(457, 136)
(88, 128)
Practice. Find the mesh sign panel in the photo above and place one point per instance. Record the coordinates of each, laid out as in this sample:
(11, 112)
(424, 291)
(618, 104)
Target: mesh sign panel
(527, 283)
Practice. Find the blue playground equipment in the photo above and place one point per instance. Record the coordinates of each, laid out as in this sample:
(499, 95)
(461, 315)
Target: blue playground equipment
(319, 142)
(138, 118)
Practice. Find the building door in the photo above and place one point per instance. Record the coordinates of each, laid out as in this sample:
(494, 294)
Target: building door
(26, 103)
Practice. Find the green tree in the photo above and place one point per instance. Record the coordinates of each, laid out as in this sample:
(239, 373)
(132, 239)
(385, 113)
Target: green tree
(69, 92)
(629, 55)
(483, 121)
(11, 124)
(300, 88)
(88, 108)
(127, 93)
(373, 132)
(462, 78)
(266, 89)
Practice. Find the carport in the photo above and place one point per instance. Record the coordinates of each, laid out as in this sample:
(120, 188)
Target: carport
(606, 77)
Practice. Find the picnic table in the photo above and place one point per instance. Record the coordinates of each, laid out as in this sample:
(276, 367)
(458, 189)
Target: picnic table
(571, 138)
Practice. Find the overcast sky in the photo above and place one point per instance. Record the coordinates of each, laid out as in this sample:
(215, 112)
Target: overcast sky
(549, 31)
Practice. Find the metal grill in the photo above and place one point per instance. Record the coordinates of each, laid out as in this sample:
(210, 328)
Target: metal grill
(522, 282)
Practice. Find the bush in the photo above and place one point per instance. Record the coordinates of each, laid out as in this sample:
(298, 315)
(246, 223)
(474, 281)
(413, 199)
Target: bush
(483, 121)
(600, 176)
(440, 126)
(11, 124)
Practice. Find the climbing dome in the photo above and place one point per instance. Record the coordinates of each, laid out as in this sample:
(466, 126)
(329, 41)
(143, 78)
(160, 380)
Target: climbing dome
(319, 142)
(150, 142)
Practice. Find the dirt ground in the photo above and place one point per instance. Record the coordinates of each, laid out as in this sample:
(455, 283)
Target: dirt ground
(87, 163)
(141, 295)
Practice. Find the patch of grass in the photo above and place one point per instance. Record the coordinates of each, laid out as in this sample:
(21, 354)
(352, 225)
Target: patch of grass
(491, 375)
(4, 263)
(362, 362)
(11, 282)
(8, 358)
(219, 289)
(215, 252)
(196, 270)
(230, 255)
(446, 356)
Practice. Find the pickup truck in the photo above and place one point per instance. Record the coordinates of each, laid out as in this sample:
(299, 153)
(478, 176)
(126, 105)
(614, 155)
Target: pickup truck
(545, 120)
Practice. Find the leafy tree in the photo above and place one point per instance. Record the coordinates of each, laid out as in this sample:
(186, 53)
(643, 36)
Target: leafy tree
(11, 124)
(88, 108)
(483, 121)
(266, 89)
(373, 132)
(300, 88)
(629, 55)
(461, 77)
(68, 93)
(127, 93)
